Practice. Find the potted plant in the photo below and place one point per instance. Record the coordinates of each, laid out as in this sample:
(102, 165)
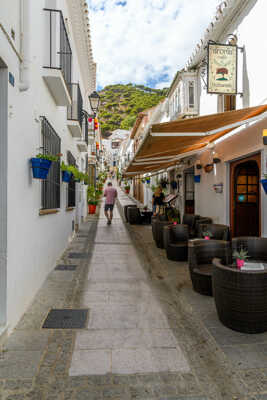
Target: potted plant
(66, 174)
(163, 183)
(197, 178)
(241, 256)
(147, 178)
(41, 164)
(91, 199)
(127, 188)
(174, 185)
(173, 215)
(206, 234)
(264, 183)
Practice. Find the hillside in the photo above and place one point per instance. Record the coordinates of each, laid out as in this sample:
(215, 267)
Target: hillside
(120, 105)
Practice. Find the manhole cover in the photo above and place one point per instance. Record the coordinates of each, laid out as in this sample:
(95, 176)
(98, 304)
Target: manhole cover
(66, 319)
(65, 267)
(78, 255)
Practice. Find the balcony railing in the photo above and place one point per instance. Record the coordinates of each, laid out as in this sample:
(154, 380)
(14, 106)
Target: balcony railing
(75, 110)
(58, 53)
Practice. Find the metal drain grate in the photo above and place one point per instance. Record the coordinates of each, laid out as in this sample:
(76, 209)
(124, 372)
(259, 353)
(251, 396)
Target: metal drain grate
(66, 319)
(78, 255)
(65, 267)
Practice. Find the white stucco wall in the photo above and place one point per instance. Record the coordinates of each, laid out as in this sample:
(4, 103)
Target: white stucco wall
(34, 242)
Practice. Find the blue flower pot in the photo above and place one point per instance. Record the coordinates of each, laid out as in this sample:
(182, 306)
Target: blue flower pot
(40, 167)
(197, 178)
(148, 181)
(66, 176)
(264, 184)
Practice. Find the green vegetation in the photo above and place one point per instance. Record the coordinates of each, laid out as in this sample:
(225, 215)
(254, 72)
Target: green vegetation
(120, 105)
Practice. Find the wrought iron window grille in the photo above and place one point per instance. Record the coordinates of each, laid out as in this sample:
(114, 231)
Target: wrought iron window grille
(51, 186)
(71, 188)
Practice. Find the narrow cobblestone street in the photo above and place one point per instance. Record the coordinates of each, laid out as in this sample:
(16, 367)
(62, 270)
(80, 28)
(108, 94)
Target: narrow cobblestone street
(144, 337)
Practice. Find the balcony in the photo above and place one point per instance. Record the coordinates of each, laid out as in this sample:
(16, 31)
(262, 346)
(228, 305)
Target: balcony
(58, 58)
(75, 111)
(82, 143)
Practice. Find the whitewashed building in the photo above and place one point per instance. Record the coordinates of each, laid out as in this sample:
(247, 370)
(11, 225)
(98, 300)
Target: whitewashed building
(46, 74)
(229, 190)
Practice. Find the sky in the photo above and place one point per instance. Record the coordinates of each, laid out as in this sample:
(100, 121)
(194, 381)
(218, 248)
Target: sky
(145, 41)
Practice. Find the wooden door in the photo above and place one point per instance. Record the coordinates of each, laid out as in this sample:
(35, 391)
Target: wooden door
(245, 197)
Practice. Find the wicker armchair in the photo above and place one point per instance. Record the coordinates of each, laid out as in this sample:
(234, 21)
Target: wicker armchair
(158, 224)
(255, 246)
(218, 232)
(200, 221)
(240, 297)
(133, 215)
(200, 259)
(176, 242)
(190, 220)
(125, 210)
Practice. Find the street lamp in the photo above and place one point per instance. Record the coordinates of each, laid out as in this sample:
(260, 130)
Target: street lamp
(94, 100)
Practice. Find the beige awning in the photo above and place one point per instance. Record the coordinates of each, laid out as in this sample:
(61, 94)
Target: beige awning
(168, 140)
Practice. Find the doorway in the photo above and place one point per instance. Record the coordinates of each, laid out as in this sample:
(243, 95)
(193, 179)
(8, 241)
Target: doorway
(245, 197)
(3, 190)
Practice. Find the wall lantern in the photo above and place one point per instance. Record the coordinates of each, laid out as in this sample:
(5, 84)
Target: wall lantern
(198, 164)
(216, 158)
(94, 100)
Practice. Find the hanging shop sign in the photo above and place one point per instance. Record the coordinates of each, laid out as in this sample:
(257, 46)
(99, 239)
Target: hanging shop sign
(222, 69)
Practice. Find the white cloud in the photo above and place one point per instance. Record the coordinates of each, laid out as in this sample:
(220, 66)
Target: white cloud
(145, 41)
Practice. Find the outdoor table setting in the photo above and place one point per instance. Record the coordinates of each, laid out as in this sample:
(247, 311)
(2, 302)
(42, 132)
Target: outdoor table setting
(240, 295)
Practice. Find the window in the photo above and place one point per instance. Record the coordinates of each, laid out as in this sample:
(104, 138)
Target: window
(71, 194)
(229, 102)
(191, 94)
(51, 186)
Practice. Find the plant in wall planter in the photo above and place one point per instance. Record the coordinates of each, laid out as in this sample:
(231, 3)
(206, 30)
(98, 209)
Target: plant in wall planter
(66, 173)
(41, 164)
(127, 189)
(264, 183)
(147, 179)
(197, 178)
(174, 185)
(241, 256)
(208, 168)
(164, 183)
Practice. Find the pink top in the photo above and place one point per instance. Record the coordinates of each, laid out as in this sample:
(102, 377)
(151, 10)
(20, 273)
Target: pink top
(110, 193)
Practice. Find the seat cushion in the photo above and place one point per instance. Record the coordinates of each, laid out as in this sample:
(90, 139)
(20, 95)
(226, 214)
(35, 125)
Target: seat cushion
(204, 269)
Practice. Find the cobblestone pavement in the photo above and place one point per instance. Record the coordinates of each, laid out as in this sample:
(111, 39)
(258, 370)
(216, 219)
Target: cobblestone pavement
(148, 335)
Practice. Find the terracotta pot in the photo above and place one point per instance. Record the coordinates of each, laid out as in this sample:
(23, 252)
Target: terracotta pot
(239, 263)
(91, 208)
(127, 191)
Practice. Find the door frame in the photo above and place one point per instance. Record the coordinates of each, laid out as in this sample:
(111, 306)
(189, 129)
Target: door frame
(255, 157)
(3, 191)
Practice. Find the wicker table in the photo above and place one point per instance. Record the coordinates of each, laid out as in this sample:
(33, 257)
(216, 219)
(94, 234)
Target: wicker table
(240, 297)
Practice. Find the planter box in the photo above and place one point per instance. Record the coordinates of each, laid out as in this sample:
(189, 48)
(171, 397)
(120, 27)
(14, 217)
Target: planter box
(197, 178)
(66, 176)
(40, 167)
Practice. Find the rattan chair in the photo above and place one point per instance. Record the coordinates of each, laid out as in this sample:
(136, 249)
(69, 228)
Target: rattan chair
(190, 220)
(126, 208)
(133, 215)
(240, 297)
(255, 246)
(175, 240)
(218, 231)
(200, 259)
(158, 224)
(200, 221)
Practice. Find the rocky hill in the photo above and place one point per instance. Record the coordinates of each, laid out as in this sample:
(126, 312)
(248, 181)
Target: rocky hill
(120, 105)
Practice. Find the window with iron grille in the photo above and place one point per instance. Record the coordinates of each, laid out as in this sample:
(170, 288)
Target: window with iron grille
(71, 194)
(51, 186)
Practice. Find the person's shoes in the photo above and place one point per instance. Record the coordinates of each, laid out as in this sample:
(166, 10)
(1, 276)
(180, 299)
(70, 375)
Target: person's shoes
(109, 222)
